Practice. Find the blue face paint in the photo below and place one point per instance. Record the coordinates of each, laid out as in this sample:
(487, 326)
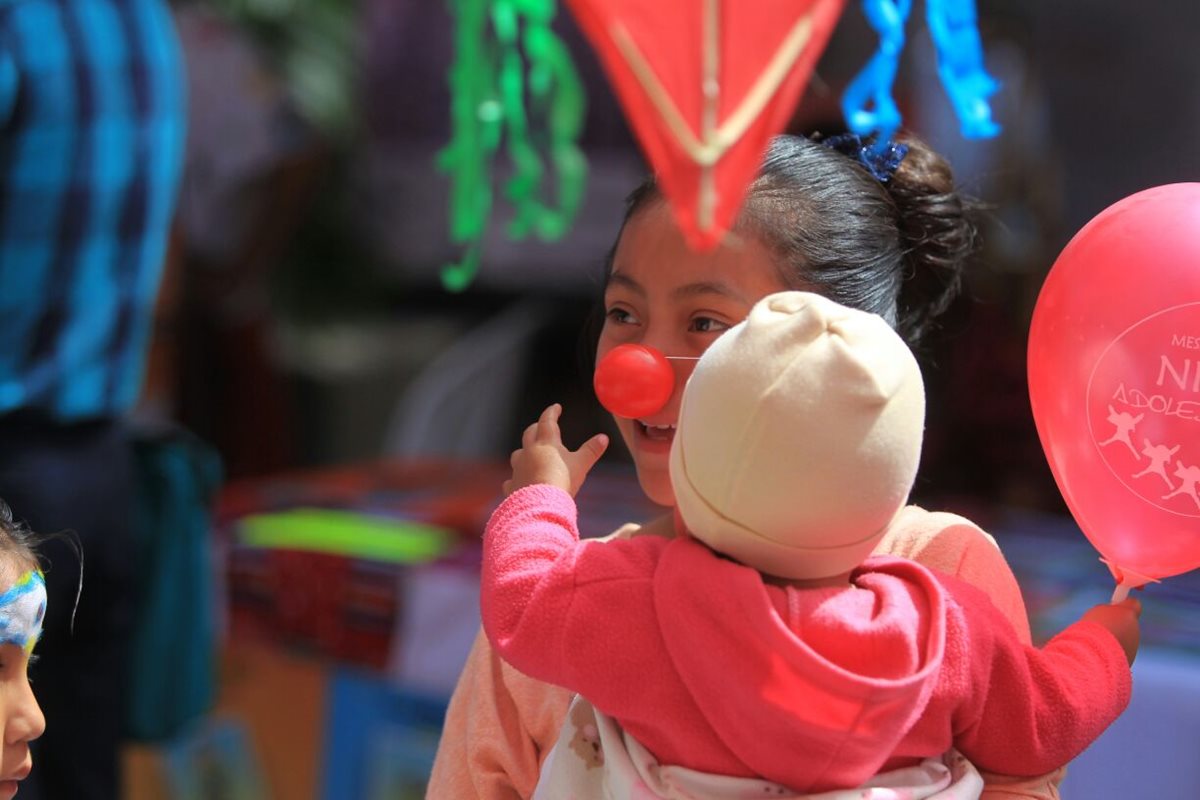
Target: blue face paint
(22, 611)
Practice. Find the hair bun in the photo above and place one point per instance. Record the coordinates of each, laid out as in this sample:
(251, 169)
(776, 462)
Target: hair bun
(939, 231)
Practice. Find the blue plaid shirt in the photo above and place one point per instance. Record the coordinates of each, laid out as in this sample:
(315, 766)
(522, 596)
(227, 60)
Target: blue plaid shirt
(92, 117)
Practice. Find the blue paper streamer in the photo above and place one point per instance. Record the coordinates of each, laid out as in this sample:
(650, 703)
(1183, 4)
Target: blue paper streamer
(868, 105)
(960, 65)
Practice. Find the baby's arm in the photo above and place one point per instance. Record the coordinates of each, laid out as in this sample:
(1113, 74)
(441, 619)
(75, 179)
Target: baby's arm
(1039, 708)
(576, 614)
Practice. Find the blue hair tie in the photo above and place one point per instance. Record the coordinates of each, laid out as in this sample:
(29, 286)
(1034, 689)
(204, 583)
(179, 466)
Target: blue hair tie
(880, 161)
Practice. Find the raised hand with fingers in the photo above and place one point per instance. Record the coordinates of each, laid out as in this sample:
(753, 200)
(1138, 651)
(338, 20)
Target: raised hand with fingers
(543, 458)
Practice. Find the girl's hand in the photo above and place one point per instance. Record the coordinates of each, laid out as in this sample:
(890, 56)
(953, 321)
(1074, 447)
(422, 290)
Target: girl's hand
(1122, 620)
(544, 459)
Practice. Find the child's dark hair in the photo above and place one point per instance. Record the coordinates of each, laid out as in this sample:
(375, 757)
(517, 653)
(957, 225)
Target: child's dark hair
(896, 249)
(17, 540)
(21, 544)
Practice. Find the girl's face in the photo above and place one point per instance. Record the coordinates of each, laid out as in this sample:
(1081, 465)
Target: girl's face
(662, 294)
(21, 719)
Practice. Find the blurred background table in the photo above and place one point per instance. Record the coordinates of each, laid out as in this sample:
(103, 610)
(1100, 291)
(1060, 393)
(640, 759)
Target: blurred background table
(336, 667)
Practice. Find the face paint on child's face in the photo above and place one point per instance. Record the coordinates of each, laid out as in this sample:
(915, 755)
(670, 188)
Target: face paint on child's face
(22, 611)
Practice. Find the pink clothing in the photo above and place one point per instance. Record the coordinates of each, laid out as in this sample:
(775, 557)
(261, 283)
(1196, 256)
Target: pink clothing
(813, 689)
(501, 724)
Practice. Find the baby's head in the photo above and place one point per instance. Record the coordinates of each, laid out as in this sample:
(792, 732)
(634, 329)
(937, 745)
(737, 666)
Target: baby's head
(799, 437)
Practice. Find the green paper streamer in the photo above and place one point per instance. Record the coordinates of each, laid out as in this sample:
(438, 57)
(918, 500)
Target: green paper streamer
(345, 533)
(507, 55)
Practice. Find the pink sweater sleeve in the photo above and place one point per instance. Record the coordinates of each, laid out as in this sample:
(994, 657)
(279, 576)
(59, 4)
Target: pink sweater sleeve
(956, 546)
(1036, 709)
(577, 614)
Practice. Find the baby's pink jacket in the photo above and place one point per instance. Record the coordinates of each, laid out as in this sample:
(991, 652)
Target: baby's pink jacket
(712, 669)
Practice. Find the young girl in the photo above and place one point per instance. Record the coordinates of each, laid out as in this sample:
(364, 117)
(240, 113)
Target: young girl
(763, 652)
(22, 609)
(815, 219)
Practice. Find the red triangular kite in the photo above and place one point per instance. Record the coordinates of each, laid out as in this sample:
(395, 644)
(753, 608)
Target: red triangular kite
(705, 85)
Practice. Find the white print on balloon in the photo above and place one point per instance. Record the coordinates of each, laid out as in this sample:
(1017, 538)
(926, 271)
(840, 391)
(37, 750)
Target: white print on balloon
(1159, 455)
(1161, 403)
(1125, 423)
(1143, 400)
(1190, 475)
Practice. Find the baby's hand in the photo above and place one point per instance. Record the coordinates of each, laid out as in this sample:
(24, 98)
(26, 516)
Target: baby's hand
(1122, 620)
(544, 459)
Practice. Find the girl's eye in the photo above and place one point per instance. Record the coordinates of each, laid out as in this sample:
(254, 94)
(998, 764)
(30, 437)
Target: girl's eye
(620, 316)
(707, 325)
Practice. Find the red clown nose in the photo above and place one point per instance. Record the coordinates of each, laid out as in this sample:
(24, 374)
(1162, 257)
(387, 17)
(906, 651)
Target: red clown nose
(633, 381)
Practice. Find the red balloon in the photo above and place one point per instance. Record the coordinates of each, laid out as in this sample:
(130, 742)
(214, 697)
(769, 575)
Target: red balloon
(633, 380)
(1114, 381)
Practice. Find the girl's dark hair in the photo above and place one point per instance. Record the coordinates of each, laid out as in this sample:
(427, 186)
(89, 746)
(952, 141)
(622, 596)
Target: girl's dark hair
(896, 249)
(21, 543)
(17, 540)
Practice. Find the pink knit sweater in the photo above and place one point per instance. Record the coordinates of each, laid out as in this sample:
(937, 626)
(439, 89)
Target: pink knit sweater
(815, 689)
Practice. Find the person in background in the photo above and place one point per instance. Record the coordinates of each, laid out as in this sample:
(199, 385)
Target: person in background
(92, 126)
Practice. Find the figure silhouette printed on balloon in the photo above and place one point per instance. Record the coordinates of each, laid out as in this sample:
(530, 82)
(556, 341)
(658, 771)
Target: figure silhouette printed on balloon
(1159, 455)
(1125, 423)
(1190, 476)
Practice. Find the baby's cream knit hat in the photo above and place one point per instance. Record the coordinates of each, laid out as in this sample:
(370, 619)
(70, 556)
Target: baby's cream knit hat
(799, 436)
